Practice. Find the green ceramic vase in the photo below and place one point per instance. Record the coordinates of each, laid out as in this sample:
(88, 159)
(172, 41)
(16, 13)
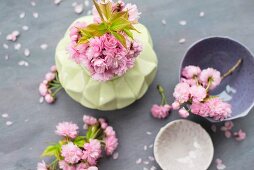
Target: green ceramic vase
(110, 95)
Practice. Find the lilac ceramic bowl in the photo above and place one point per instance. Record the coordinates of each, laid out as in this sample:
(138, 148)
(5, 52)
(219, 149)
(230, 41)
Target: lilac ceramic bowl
(222, 53)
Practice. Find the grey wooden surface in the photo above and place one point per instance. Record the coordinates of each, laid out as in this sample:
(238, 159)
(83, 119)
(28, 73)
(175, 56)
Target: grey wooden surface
(33, 129)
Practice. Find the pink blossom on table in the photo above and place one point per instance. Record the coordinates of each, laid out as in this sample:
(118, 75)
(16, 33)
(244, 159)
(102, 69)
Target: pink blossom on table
(71, 153)
(65, 166)
(13, 36)
(67, 129)
(43, 89)
(53, 69)
(103, 123)
(89, 120)
(50, 76)
(183, 112)
(190, 71)
(219, 110)
(182, 92)
(176, 105)
(92, 151)
(210, 74)
(82, 166)
(228, 134)
(109, 131)
(133, 12)
(49, 98)
(240, 135)
(198, 93)
(228, 125)
(191, 82)
(159, 111)
(201, 109)
(111, 144)
(42, 166)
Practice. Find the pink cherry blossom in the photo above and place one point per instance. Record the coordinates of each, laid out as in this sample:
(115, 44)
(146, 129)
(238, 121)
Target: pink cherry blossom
(198, 93)
(67, 129)
(71, 153)
(183, 112)
(42, 166)
(201, 109)
(49, 98)
(89, 120)
(92, 151)
(103, 123)
(240, 135)
(159, 111)
(190, 71)
(65, 166)
(212, 75)
(175, 105)
(191, 82)
(82, 166)
(111, 144)
(133, 12)
(50, 76)
(182, 92)
(43, 89)
(219, 110)
(109, 131)
(53, 69)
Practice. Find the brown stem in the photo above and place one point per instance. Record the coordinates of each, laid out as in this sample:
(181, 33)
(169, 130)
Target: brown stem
(231, 70)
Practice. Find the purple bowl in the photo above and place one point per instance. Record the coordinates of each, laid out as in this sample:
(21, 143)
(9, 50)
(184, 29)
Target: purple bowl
(222, 53)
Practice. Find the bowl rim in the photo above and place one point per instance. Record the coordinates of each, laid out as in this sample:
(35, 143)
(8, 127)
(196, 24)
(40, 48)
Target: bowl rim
(247, 110)
(168, 125)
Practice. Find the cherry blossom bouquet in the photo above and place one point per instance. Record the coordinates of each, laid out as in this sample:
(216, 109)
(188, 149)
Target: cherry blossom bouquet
(74, 152)
(192, 93)
(106, 48)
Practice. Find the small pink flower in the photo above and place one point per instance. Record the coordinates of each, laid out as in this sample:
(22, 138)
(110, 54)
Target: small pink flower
(109, 131)
(53, 68)
(190, 71)
(219, 110)
(183, 112)
(49, 98)
(212, 75)
(50, 76)
(191, 82)
(227, 126)
(71, 153)
(175, 105)
(67, 129)
(201, 109)
(82, 166)
(240, 135)
(45, 82)
(42, 166)
(103, 123)
(198, 93)
(182, 92)
(92, 151)
(111, 144)
(89, 120)
(65, 166)
(110, 42)
(160, 112)
(43, 89)
(133, 12)
(228, 134)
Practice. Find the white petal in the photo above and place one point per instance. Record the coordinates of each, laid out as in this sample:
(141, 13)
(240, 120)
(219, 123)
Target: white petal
(26, 52)
(78, 8)
(22, 15)
(183, 22)
(44, 46)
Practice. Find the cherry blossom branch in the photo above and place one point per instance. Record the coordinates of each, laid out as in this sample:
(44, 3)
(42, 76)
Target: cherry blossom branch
(231, 70)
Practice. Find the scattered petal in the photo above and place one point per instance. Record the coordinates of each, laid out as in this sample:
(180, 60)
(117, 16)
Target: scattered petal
(22, 15)
(44, 46)
(23, 63)
(26, 52)
(5, 115)
(183, 22)
(218, 161)
(240, 135)
(181, 41)
(214, 128)
(202, 13)
(163, 21)
(138, 161)
(5, 46)
(221, 166)
(150, 146)
(145, 147)
(115, 155)
(41, 99)
(17, 46)
(223, 128)
(35, 15)
(228, 134)
(86, 3)
(9, 123)
(57, 2)
(33, 3)
(151, 158)
(148, 133)
(78, 8)
(229, 125)
(153, 168)
(25, 27)
(6, 57)
(145, 162)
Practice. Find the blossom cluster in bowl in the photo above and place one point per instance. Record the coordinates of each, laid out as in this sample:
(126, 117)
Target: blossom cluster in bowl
(108, 51)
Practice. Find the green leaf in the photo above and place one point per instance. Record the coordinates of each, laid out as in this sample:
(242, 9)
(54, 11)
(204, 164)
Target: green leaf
(129, 33)
(120, 38)
(119, 24)
(49, 151)
(83, 40)
(116, 15)
(79, 141)
(98, 9)
(106, 9)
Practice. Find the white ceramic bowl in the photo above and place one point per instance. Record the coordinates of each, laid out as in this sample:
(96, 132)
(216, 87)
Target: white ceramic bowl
(183, 145)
